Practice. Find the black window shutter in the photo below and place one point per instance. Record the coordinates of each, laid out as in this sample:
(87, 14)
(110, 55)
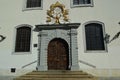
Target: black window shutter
(23, 38)
(94, 37)
(76, 2)
(33, 3)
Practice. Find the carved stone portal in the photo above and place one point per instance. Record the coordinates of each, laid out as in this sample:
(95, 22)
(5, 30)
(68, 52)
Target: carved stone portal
(62, 39)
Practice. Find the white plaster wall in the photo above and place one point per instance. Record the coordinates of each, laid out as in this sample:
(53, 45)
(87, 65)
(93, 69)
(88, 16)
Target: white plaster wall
(12, 15)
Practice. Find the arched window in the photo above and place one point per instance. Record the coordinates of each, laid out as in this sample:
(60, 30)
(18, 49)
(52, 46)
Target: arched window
(23, 39)
(94, 36)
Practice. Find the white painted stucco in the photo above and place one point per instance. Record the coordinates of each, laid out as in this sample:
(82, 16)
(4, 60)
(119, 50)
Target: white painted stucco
(105, 11)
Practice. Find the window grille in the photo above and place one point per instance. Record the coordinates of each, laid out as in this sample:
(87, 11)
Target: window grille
(23, 39)
(94, 37)
(33, 3)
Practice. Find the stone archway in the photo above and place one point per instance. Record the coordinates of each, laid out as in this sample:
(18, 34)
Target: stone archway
(58, 55)
(64, 34)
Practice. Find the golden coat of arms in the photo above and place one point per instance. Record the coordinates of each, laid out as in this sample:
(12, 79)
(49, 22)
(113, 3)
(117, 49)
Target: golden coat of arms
(57, 13)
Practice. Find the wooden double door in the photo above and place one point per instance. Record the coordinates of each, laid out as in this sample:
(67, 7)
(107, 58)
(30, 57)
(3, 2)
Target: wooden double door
(58, 55)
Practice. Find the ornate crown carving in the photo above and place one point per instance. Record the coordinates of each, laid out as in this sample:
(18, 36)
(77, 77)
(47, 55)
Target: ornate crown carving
(57, 13)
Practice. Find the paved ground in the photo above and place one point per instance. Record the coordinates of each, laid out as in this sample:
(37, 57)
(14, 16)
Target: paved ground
(109, 78)
(6, 77)
(11, 78)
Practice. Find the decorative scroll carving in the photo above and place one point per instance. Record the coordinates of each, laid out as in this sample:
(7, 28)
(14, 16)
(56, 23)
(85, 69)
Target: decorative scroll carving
(57, 13)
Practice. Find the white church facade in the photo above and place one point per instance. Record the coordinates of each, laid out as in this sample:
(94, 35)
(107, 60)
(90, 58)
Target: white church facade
(60, 35)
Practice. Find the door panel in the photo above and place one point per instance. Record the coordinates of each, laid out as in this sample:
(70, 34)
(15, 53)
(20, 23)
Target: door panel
(58, 55)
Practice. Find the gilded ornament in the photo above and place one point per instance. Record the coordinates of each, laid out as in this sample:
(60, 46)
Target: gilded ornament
(57, 13)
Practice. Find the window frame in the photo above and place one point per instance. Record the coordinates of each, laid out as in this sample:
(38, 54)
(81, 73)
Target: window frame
(14, 43)
(84, 38)
(82, 5)
(32, 8)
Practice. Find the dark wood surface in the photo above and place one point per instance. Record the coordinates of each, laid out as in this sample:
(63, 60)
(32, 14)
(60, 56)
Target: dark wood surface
(57, 55)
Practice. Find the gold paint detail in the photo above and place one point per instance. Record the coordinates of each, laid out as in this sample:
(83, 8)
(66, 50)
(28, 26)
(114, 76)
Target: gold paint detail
(57, 13)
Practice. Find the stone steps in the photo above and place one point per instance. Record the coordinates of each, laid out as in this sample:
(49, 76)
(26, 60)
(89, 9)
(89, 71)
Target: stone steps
(56, 79)
(56, 75)
(57, 72)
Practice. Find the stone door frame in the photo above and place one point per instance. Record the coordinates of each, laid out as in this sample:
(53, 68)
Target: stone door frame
(67, 32)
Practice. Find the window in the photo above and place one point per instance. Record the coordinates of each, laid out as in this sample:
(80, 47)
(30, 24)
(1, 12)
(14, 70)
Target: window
(94, 36)
(23, 39)
(82, 3)
(33, 4)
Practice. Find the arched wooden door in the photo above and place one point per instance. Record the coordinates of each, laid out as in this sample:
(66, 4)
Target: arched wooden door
(58, 55)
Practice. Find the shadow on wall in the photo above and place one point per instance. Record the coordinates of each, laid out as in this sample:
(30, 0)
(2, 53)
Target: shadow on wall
(2, 38)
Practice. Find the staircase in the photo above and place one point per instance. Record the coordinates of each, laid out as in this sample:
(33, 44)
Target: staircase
(56, 75)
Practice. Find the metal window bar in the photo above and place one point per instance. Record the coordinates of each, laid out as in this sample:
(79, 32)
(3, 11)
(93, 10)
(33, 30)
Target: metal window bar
(33, 3)
(76, 2)
(23, 39)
